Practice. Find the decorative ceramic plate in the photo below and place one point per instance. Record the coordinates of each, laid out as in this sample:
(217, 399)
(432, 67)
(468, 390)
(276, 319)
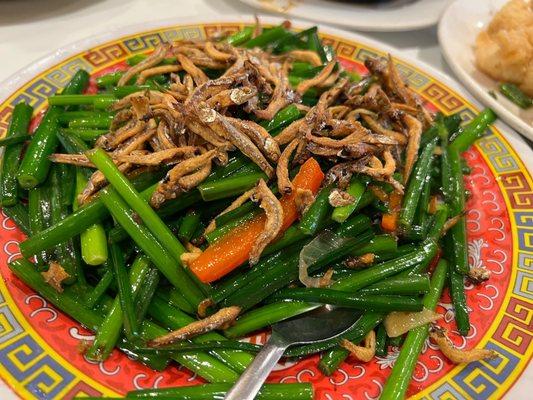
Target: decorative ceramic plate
(377, 16)
(39, 346)
(458, 30)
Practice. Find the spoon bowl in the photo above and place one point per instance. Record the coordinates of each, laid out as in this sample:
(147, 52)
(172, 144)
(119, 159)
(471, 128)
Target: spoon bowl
(318, 325)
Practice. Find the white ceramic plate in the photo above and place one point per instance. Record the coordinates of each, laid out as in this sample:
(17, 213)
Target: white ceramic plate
(458, 29)
(383, 16)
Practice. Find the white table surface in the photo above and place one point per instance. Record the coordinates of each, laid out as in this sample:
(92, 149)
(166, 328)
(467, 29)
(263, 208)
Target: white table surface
(29, 29)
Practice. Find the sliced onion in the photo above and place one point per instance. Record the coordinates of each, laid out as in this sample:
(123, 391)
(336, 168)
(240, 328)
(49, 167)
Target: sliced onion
(399, 322)
(317, 248)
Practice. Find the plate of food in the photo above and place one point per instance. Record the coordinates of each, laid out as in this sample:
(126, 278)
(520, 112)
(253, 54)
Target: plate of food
(171, 190)
(488, 46)
(379, 16)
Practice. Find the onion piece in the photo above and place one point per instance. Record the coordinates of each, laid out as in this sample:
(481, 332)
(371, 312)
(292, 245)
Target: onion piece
(317, 248)
(399, 322)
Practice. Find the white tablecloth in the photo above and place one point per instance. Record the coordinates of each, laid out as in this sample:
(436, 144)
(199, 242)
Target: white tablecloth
(29, 29)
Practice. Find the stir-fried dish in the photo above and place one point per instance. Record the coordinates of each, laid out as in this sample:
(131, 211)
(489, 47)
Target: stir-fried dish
(210, 189)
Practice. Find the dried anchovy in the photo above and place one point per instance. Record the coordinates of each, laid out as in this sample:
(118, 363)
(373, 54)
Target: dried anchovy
(290, 133)
(55, 275)
(382, 172)
(120, 117)
(79, 160)
(159, 157)
(303, 200)
(282, 168)
(230, 97)
(221, 318)
(340, 198)
(376, 127)
(163, 134)
(155, 58)
(455, 355)
(306, 56)
(362, 353)
(259, 136)
(135, 142)
(282, 96)
(397, 84)
(411, 153)
(196, 73)
(216, 54)
(273, 223)
(223, 127)
(162, 69)
(477, 275)
(170, 187)
(113, 139)
(189, 182)
(97, 181)
(320, 78)
(239, 201)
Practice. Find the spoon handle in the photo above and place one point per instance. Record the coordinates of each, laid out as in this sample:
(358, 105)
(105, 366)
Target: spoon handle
(249, 383)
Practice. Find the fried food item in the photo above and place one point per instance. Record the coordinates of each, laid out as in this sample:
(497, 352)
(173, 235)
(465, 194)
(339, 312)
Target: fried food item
(505, 50)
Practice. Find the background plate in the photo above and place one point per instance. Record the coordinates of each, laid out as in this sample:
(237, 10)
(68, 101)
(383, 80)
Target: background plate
(458, 30)
(378, 16)
(39, 355)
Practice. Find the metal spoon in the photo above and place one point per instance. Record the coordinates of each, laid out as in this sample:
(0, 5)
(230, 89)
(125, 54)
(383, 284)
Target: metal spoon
(317, 326)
